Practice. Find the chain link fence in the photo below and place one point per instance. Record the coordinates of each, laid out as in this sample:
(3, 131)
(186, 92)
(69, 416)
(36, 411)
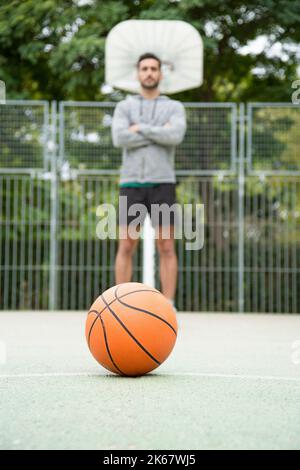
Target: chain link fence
(57, 164)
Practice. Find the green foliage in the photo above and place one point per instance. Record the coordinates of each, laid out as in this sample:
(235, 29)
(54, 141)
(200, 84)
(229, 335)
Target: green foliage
(55, 49)
(21, 130)
(275, 139)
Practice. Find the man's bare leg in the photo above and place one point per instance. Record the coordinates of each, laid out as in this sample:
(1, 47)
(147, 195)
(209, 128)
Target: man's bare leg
(123, 263)
(168, 263)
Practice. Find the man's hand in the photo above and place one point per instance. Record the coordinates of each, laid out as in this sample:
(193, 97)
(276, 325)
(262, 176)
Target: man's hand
(134, 128)
(167, 124)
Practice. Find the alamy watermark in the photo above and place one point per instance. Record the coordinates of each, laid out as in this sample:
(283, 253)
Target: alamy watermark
(188, 221)
(296, 94)
(2, 92)
(296, 353)
(3, 353)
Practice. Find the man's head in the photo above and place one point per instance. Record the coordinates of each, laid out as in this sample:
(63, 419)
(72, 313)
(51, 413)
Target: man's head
(149, 71)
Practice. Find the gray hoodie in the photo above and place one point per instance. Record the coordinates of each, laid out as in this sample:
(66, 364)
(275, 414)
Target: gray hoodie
(148, 155)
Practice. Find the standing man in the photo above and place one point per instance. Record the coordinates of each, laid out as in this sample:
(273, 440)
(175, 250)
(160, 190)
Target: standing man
(147, 127)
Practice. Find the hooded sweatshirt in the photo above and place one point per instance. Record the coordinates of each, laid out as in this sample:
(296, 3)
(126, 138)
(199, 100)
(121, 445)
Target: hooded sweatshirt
(148, 155)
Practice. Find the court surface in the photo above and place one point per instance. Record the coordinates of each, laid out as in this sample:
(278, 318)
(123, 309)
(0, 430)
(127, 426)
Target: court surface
(232, 382)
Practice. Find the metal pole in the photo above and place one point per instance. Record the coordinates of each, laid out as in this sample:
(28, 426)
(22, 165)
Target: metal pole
(148, 253)
(54, 213)
(241, 214)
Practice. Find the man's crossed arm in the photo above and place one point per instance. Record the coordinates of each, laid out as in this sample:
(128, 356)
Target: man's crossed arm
(140, 135)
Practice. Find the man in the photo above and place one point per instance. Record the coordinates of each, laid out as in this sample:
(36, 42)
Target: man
(147, 127)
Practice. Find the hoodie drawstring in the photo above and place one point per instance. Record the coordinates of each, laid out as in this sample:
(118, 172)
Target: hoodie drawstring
(153, 108)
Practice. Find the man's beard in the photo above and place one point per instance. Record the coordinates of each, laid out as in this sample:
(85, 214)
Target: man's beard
(151, 86)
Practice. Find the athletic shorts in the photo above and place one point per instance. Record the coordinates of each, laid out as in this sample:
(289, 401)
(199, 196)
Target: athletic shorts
(162, 193)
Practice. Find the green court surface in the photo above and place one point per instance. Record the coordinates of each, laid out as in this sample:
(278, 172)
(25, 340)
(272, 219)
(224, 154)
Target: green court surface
(232, 382)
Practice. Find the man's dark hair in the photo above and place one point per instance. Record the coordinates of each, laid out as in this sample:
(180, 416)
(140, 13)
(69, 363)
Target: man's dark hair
(148, 55)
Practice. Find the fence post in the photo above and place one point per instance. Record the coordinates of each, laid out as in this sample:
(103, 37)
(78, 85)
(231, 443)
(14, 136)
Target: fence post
(241, 212)
(54, 212)
(148, 253)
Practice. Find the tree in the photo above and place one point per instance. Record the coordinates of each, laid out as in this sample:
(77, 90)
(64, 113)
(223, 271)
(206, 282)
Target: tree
(55, 49)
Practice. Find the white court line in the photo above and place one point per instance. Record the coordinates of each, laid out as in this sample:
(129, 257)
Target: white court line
(175, 374)
(49, 374)
(236, 376)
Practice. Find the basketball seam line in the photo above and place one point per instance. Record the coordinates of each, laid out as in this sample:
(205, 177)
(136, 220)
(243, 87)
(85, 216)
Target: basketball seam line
(107, 347)
(146, 311)
(130, 334)
(92, 326)
(106, 341)
(128, 293)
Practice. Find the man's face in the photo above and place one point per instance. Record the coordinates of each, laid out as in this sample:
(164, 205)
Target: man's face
(149, 74)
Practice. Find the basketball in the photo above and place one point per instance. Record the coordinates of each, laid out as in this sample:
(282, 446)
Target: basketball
(131, 329)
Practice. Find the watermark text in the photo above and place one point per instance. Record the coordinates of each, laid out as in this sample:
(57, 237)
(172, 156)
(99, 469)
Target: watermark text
(296, 94)
(188, 221)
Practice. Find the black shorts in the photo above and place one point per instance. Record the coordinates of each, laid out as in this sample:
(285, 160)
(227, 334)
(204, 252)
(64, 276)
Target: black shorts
(162, 193)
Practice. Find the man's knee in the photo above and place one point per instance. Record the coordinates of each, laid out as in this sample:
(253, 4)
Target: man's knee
(166, 248)
(127, 247)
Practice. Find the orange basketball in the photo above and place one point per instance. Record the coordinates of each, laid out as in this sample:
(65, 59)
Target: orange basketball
(131, 329)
